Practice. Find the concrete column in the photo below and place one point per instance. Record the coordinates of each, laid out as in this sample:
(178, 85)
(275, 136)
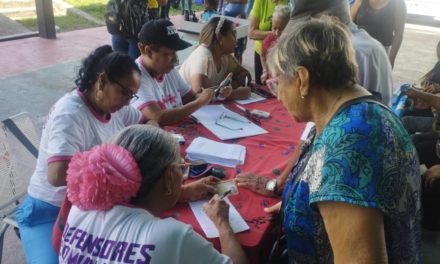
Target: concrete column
(45, 19)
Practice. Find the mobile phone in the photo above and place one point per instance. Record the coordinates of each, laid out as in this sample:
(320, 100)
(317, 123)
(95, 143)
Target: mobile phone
(263, 92)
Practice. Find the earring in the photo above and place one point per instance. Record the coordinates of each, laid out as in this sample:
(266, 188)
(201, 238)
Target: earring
(302, 96)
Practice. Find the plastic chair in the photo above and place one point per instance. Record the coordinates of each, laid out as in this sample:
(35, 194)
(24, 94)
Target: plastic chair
(19, 143)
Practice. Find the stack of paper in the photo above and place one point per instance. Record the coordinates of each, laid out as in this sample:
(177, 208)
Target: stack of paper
(229, 155)
(252, 99)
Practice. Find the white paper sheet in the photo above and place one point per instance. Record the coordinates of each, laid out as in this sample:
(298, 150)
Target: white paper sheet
(252, 99)
(235, 220)
(211, 151)
(227, 128)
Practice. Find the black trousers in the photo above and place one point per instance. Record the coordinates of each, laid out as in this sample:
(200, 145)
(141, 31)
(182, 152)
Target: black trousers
(258, 68)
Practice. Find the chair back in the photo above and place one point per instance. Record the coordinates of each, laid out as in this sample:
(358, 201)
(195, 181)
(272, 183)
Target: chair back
(19, 141)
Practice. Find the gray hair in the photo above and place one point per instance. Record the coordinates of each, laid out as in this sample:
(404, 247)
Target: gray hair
(323, 46)
(153, 149)
(282, 12)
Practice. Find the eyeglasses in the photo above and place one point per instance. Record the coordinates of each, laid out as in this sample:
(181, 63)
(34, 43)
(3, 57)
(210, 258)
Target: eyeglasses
(230, 122)
(126, 92)
(184, 167)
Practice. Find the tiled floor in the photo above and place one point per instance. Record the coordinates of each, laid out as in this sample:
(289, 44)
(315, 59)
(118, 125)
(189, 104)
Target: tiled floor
(35, 72)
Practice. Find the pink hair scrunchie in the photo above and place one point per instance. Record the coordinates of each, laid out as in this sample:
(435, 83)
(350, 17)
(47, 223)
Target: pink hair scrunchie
(102, 177)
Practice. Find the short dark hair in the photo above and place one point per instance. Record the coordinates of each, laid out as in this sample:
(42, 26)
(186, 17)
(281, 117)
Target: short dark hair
(103, 59)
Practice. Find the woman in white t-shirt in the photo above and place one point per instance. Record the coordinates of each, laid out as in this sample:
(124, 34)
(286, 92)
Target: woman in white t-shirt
(210, 63)
(81, 119)
(118, 189)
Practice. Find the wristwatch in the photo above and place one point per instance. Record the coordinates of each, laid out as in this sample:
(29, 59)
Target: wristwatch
(271, 185)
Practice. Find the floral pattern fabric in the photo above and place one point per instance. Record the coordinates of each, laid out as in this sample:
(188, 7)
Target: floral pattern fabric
(363, 157)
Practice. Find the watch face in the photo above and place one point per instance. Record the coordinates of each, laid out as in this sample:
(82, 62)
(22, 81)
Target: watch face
(270, 185)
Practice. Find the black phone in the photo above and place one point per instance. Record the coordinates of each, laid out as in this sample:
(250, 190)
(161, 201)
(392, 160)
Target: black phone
(263, 92)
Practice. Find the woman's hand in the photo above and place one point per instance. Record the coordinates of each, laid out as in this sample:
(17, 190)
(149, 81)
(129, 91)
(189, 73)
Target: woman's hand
(274, 209)
(253, 182)
(198, 190)
(413, 93)
(226, 91)
(217, 210)
(432, 175)
(433, 88)
(205, 96)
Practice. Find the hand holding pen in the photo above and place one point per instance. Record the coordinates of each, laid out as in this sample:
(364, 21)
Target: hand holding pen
(217, 210)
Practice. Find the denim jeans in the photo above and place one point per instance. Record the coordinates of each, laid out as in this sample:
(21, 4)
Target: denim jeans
(182, 5)
(128, 46)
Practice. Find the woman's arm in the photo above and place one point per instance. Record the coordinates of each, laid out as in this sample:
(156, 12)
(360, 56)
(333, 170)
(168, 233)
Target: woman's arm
(354, 9)
(431, 100)
(170, 116)
(356, 233)
(253, 31)
(198, 82)
(218, 211)
(399, 22)
(56, 173)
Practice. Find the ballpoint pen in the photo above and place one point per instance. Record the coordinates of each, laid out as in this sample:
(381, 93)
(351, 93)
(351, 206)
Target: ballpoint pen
(248, 114)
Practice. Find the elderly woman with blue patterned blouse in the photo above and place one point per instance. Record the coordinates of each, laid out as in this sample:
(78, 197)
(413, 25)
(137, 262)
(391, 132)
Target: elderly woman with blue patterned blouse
(353, 195)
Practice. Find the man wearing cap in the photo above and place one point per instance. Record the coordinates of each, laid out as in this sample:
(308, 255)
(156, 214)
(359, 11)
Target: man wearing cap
(372, 59)
(164, 96)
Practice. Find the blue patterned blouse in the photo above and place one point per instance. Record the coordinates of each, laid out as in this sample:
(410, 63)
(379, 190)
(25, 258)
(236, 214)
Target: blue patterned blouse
(363, 157)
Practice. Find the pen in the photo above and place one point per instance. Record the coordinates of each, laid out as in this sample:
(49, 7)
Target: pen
(225, 194)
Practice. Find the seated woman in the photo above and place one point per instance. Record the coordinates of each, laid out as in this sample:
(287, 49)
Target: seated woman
(280, 17)
(354, 193)
(210, 63)
(118, 190)
(428, 148)
(86, 117)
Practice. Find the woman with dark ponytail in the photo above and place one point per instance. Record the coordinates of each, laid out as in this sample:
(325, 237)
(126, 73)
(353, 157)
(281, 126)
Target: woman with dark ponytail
(86, 117)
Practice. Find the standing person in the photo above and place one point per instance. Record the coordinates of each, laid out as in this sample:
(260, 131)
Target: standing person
(237, 8)
(374, 74)
(182, 5)
(210, 63)
(384, 20)
(165, 9)
(354, 194)
(164, 96)
(81, 119)
(124, 19)
(280, 18)
(120, 204)
(210, 10)
(259, 28)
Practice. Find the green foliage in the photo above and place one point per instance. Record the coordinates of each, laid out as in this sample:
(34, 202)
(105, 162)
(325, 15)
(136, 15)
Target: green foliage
(65, 23)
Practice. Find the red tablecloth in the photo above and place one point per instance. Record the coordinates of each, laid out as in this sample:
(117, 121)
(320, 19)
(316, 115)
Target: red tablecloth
(267, 155)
